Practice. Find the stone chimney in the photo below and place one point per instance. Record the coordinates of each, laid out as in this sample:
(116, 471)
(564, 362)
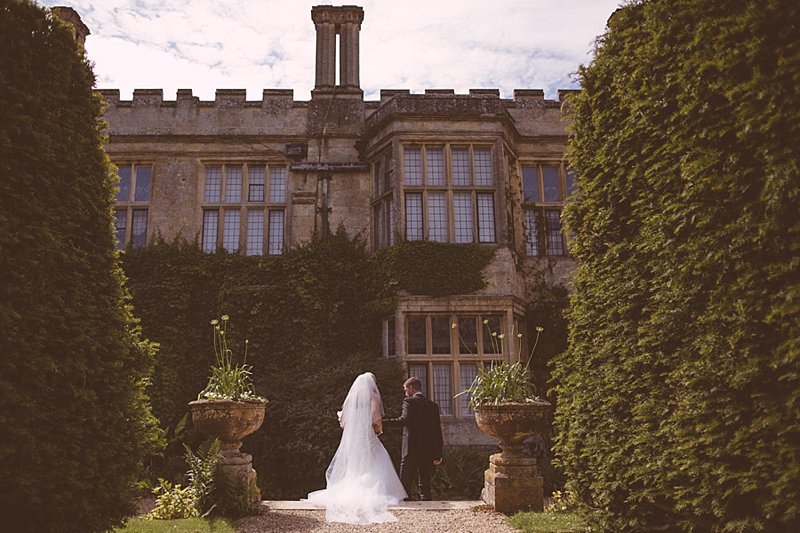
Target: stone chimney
(330, 21)
(71, 17)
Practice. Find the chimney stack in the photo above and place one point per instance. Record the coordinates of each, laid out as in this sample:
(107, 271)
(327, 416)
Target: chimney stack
(331, 21)
(71, 17)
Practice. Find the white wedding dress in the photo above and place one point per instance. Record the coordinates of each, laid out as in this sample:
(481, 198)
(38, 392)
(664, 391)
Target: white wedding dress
(361, 480)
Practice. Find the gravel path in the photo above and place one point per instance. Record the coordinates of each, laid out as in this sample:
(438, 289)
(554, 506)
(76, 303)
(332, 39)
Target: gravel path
(475, 520)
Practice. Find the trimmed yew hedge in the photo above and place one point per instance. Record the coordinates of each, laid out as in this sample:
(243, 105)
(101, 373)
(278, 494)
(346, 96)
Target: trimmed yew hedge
(680, 391)
(74, 419)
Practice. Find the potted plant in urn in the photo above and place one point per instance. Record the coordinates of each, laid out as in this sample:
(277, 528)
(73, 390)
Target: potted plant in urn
(507, 408)
(229, 409)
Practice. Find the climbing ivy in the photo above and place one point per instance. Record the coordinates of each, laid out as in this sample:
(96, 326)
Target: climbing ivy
(438, 269)
(313, 321)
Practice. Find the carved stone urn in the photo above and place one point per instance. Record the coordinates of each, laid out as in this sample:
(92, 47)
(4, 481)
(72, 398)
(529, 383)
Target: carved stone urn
(512, 482)
(230, 421)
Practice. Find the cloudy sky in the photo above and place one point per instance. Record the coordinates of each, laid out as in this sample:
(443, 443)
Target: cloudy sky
(204, 45)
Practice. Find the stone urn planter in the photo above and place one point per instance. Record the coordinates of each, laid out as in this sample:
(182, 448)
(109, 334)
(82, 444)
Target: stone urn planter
(512, 482)
(230, 421)
(512, 423)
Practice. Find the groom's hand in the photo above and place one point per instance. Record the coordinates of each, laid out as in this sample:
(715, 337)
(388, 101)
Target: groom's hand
(437, 461)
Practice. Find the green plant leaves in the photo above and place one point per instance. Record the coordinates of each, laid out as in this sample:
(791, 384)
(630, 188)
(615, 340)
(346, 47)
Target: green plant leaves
(674, 395)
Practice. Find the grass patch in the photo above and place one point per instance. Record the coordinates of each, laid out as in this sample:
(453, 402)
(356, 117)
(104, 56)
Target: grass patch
(565, 522)
(185, 525)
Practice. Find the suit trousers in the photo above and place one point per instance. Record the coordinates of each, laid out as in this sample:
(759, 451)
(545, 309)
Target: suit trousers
(417, 469)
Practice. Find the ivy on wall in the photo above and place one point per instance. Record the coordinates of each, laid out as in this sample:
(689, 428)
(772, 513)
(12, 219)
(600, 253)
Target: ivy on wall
(438, 269)
(313, 321)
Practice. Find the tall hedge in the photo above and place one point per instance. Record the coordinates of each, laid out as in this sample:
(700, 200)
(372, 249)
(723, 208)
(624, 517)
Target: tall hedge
(74, 420)
(679, 395)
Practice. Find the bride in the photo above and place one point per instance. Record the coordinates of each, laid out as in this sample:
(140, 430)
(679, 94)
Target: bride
(361, 479)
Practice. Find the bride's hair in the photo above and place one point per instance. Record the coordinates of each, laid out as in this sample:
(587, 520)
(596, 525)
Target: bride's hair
(360, 398)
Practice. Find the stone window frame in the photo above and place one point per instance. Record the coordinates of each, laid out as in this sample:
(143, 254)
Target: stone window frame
(508, 311)
(272, 206)
(548, 237)
(480, 196)
(131, 208)
(384, 219)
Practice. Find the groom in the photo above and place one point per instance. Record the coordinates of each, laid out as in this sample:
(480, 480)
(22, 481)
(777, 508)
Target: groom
(422, 438)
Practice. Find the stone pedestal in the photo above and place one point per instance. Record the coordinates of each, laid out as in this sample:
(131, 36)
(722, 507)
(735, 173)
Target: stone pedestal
(237, 470)
(230, 421)
(513, 484)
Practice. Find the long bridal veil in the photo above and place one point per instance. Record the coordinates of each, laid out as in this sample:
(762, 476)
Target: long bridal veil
(361, 479)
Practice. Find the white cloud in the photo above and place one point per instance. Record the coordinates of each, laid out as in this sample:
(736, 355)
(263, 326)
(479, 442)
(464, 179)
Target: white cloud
(405, 44)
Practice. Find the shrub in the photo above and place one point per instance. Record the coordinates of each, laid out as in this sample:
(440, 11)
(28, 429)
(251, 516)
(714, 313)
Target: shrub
(74, 418)
(173, 502)
(677, 397)
(461, 474)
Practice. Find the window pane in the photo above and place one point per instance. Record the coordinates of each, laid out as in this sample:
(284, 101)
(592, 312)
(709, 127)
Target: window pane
(276, 219)
(377, 180)
(213, 184)
(486, 218)
(139, 228)
(255, 232)
(277, 185)
(412, 165)
(532, 232)
(414, 216)
(468, 336)
(555, 239)
(550, 184)
(416, 335)
(231, 230)
(570, 175)
(530, 183)
(233, 184)
(124, 193)
(483, 167)
(468, 372)
(380, 225)
(491, 343)
(391, 348)
(461, 166)
(144, 177)
(443, 387)
(210, 224)
(434, 166)
(419, 371)
(256, 193)
(437, 217)
(462, 214)
(440, 335)
(120, 224)
(388, 168)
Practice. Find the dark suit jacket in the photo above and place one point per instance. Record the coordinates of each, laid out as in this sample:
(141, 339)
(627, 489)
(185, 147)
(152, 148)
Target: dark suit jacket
(422, 431)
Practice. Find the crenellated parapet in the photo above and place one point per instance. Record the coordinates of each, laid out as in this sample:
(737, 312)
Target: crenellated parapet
(529, 113)
(147, 112)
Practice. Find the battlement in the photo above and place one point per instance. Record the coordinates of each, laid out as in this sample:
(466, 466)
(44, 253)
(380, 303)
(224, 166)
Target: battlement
(223, 99)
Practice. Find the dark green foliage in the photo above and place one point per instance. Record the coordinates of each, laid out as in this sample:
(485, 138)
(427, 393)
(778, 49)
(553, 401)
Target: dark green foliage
(461, 475)
(203, 469)
(313, 319)
(679, 394)
(438, 269)
(74, 421)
